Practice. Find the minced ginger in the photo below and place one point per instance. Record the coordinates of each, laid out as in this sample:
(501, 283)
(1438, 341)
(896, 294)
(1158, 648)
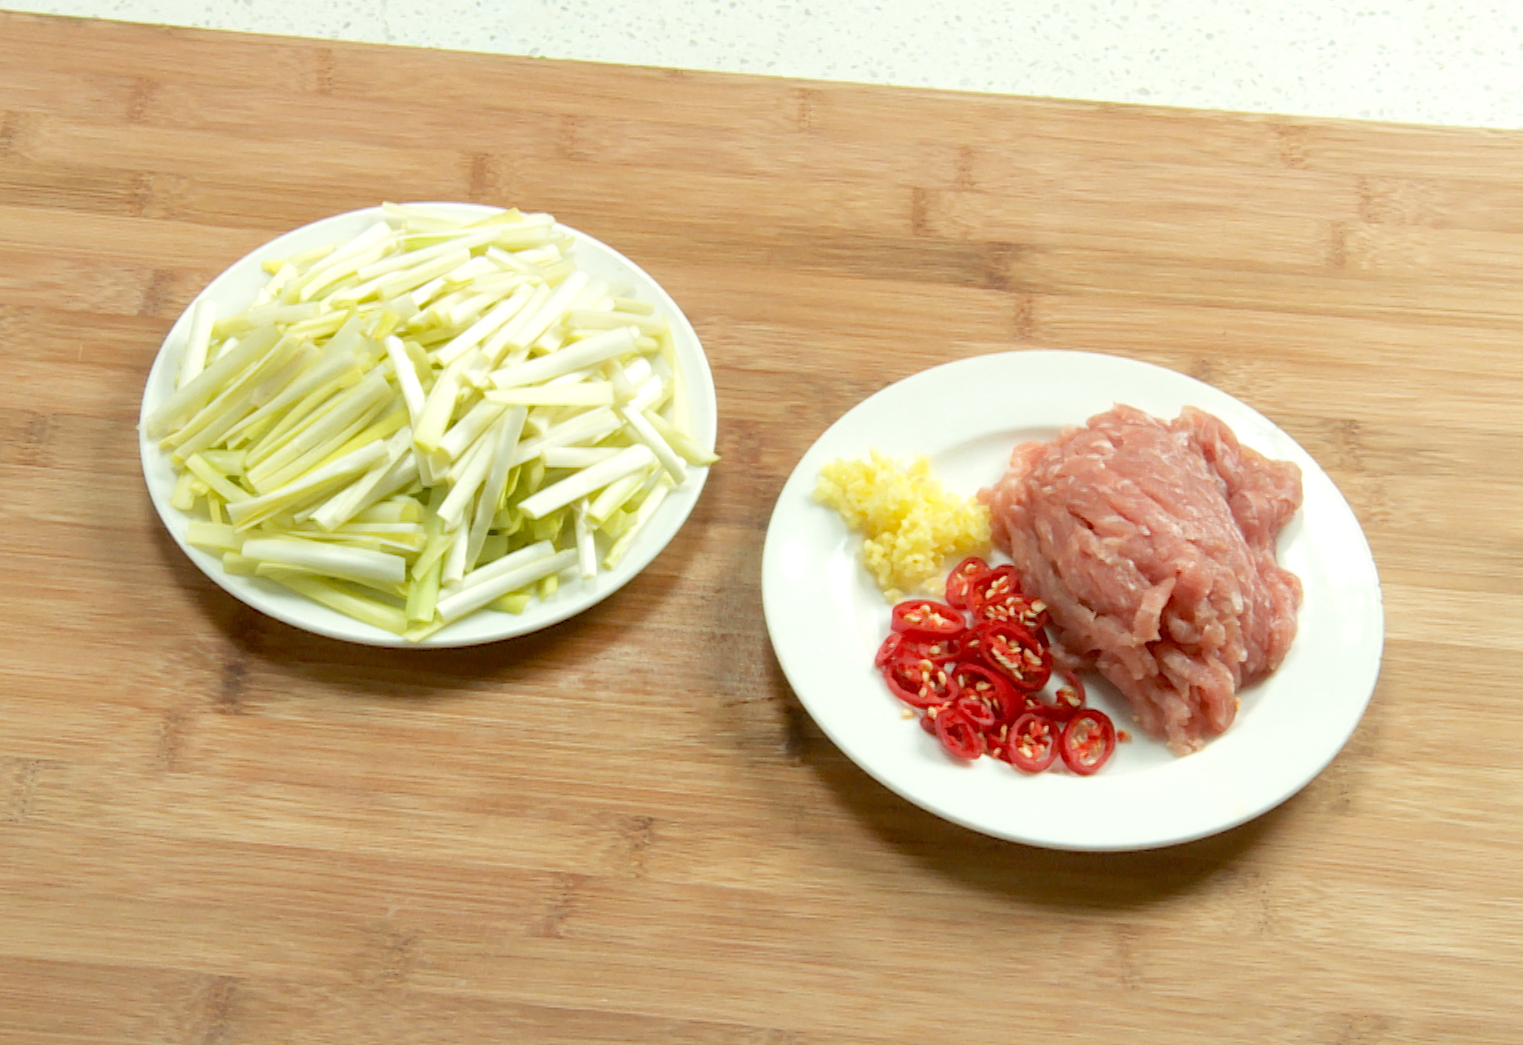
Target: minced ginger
(910, 523)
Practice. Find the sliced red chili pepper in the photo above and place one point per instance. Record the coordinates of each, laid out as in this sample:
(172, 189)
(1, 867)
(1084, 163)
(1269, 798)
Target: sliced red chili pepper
(1032, 743)
(1088, 740)
(970, 648)
(927, 619)
(959, 579)
(1033, 702)
(1076, 684)
(979, 687)
(977, 684)
(1012, 606)
(1017, 652)
(980, 713)
(993, 582)
(959, 736)
(994, 740)
(940, 650)
(1067, 701)
(919, 682)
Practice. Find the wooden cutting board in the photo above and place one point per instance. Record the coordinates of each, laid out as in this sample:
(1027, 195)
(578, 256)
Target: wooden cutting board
(214, 828)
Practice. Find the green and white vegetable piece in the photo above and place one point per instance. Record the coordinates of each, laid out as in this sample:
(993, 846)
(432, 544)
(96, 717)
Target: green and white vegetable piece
(441, 416)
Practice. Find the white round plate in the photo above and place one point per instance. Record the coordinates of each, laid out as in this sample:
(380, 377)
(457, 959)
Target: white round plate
(827, 618)
(235, 288)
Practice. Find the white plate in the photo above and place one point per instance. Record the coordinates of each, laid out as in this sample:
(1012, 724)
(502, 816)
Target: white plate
(236, 287)
(826, 617)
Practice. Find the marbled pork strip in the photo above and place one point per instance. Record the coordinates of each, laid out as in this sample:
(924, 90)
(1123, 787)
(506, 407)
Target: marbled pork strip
(1153, 544)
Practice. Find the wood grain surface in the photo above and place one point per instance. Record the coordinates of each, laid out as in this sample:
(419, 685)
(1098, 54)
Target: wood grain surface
(217, 829)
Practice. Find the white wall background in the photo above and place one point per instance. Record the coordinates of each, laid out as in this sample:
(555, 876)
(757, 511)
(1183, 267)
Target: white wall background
(1423, 61)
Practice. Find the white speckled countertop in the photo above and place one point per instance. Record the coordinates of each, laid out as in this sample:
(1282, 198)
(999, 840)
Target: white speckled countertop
(1420, 61)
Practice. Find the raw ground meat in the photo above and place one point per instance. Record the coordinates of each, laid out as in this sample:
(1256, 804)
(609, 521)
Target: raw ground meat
(1152, 542)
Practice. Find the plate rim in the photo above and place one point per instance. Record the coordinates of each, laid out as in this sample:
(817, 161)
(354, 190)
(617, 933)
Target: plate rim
(799, 486)
(274, 602)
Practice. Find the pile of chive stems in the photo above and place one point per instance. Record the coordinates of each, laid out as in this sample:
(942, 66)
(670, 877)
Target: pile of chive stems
(437, 418)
